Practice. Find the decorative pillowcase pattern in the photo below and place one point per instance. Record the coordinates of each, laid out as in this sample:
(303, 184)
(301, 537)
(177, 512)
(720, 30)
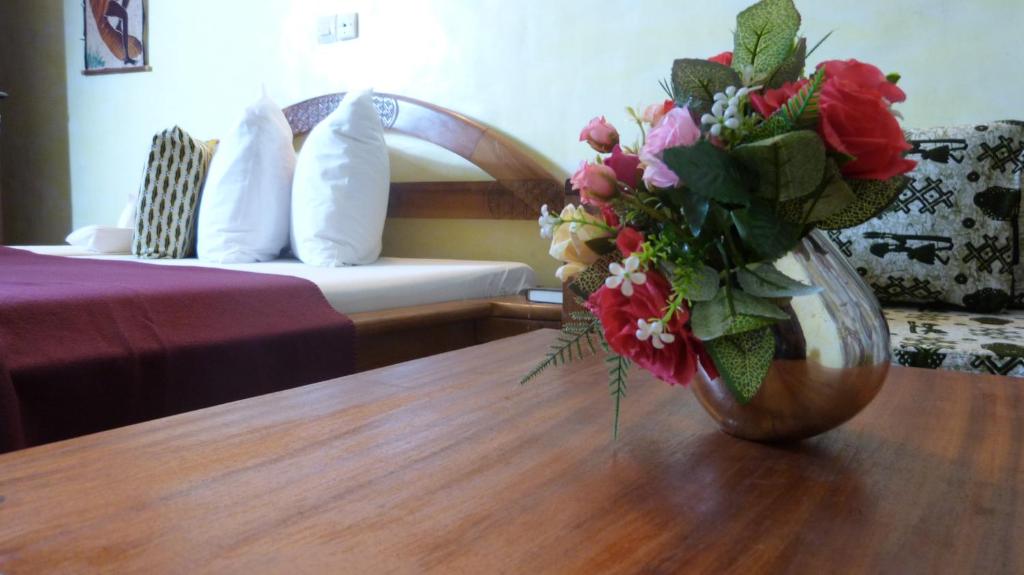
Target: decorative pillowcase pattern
(166, 211)
(953, 234)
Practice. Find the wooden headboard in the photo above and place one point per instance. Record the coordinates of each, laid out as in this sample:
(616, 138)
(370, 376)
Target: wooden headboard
(520, 183)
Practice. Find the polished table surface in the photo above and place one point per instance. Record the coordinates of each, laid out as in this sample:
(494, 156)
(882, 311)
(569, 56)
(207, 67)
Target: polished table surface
(446, 464)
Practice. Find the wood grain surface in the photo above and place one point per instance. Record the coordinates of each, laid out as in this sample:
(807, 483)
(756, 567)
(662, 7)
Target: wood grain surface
(445, 464)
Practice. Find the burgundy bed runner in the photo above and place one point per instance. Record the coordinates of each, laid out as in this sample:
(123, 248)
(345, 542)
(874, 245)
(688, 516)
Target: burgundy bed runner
(87, 345)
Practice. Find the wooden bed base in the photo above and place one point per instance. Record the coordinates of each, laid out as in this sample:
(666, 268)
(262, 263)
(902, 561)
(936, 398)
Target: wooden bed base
(520, 186)
(396, 335)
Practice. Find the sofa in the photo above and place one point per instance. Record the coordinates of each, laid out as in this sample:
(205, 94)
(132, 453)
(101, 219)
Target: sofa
(944, 258)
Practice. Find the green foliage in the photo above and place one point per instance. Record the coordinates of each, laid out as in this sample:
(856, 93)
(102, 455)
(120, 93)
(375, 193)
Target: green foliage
(765, 281)
(618, 372)
(801, 110)
(731, 312)
(601, 246)
(703, 286)
(788, 166)
(832, 196)
(871, 197)
(791, 68)
(763, 232)
(709, 171)
(568, 347)
(743, 361)
(693, 205)
(765, 33)
(696, 82)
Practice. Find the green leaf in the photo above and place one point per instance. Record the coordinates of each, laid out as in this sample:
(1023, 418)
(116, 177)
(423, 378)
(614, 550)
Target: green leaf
(766, 281)
(710, 320)
(764, 233)
(709, 171)
(788, 166)
(568, 347)
(872, 197)
(801, 110)
(743, 361)
(618, 372)
(697, 81)
(833, 195)
(704, 284)
(601, 246)
(765, 33)
(748, 304)
(695, 210)
(791, 68)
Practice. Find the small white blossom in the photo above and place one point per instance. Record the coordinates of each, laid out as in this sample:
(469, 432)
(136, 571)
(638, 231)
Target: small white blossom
(625, 276)
(653, 331)
(547, 223)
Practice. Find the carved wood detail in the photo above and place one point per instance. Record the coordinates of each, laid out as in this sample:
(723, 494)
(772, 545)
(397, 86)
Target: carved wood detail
(521, 184)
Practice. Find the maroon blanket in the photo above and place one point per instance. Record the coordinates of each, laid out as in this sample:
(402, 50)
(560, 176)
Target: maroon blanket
(87, 345)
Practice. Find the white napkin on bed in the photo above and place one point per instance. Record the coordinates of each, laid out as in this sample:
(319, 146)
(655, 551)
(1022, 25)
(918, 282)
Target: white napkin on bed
(102, 239)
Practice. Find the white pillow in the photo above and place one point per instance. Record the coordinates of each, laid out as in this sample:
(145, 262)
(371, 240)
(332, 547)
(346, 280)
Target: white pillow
(102, 239)
(244, 210)
(340, 192)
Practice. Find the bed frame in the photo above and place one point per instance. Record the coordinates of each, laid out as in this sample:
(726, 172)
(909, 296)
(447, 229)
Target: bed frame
(520, 186)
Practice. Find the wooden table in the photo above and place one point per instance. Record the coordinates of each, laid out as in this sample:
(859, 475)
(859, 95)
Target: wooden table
(446, 464)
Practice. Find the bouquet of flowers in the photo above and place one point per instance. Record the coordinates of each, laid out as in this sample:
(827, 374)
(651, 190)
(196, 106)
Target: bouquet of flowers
(672, 249)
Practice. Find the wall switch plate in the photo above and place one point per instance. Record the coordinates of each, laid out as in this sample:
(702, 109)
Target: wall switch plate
(347, 26)
(326, 29)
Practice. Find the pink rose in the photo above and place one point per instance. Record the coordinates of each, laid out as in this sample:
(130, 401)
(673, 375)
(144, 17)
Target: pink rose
(655, 112)
(676, 129)
(676, 361)
(626, 166)
(629, 241)
(601, 135)
(596, 183)
(856, 121)
(725, 58)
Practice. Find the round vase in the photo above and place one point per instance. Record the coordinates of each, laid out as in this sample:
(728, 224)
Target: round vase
(831, 357)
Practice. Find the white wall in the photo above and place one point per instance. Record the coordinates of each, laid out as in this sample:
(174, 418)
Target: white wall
(535, 69)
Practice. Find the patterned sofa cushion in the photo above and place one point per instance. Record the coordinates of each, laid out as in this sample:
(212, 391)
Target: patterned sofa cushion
(952, 236)
(958, 340)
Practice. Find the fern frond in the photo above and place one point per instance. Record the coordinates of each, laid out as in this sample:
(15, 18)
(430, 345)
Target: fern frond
(802, 109)
(568, 347)
(618, 371)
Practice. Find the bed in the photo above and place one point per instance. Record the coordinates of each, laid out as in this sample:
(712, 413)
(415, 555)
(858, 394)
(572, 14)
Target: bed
(393, 310)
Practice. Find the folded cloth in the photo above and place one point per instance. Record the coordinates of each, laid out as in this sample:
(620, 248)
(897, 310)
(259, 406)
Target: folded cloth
(102, 239)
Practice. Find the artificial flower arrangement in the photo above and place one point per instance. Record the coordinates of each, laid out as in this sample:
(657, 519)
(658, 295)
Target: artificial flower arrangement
(672, 249)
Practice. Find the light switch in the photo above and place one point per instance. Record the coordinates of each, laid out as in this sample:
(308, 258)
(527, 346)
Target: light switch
(347, 26)
(326, 29)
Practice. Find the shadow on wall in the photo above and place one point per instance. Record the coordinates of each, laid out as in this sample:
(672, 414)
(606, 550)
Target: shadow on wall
(35, 176)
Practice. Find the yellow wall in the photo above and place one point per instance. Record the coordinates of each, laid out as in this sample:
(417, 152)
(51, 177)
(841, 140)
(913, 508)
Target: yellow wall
(535, 69)
(34, 178)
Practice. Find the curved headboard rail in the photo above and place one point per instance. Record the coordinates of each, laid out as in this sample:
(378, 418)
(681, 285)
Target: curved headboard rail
(521, 184)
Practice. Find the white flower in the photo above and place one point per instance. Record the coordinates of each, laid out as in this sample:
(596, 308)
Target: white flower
(625, 276)
(547, 223)
(653, 331)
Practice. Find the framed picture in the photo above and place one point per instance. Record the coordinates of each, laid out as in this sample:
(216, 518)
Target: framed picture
(116, 36)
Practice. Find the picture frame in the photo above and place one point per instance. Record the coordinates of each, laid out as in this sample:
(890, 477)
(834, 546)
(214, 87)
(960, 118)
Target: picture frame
(116, 34)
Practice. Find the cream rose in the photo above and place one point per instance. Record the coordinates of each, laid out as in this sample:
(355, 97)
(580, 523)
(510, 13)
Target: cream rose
(569, 241)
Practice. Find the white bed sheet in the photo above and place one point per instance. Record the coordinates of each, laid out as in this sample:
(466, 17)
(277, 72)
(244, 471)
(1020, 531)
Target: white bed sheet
(385, 284)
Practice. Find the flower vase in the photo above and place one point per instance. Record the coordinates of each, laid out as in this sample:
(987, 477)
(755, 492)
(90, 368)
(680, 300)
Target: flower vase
(831, 357)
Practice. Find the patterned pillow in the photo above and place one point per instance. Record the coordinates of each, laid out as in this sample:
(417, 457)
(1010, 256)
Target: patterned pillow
(166, 211)
(953, 234)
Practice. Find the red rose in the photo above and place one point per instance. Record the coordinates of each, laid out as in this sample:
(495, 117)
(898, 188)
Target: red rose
(864, 75)
(772, 100)
(725, 59)
(609, 215)
(676, 361)
(856, 121)
(626, 166)
(629, 241)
